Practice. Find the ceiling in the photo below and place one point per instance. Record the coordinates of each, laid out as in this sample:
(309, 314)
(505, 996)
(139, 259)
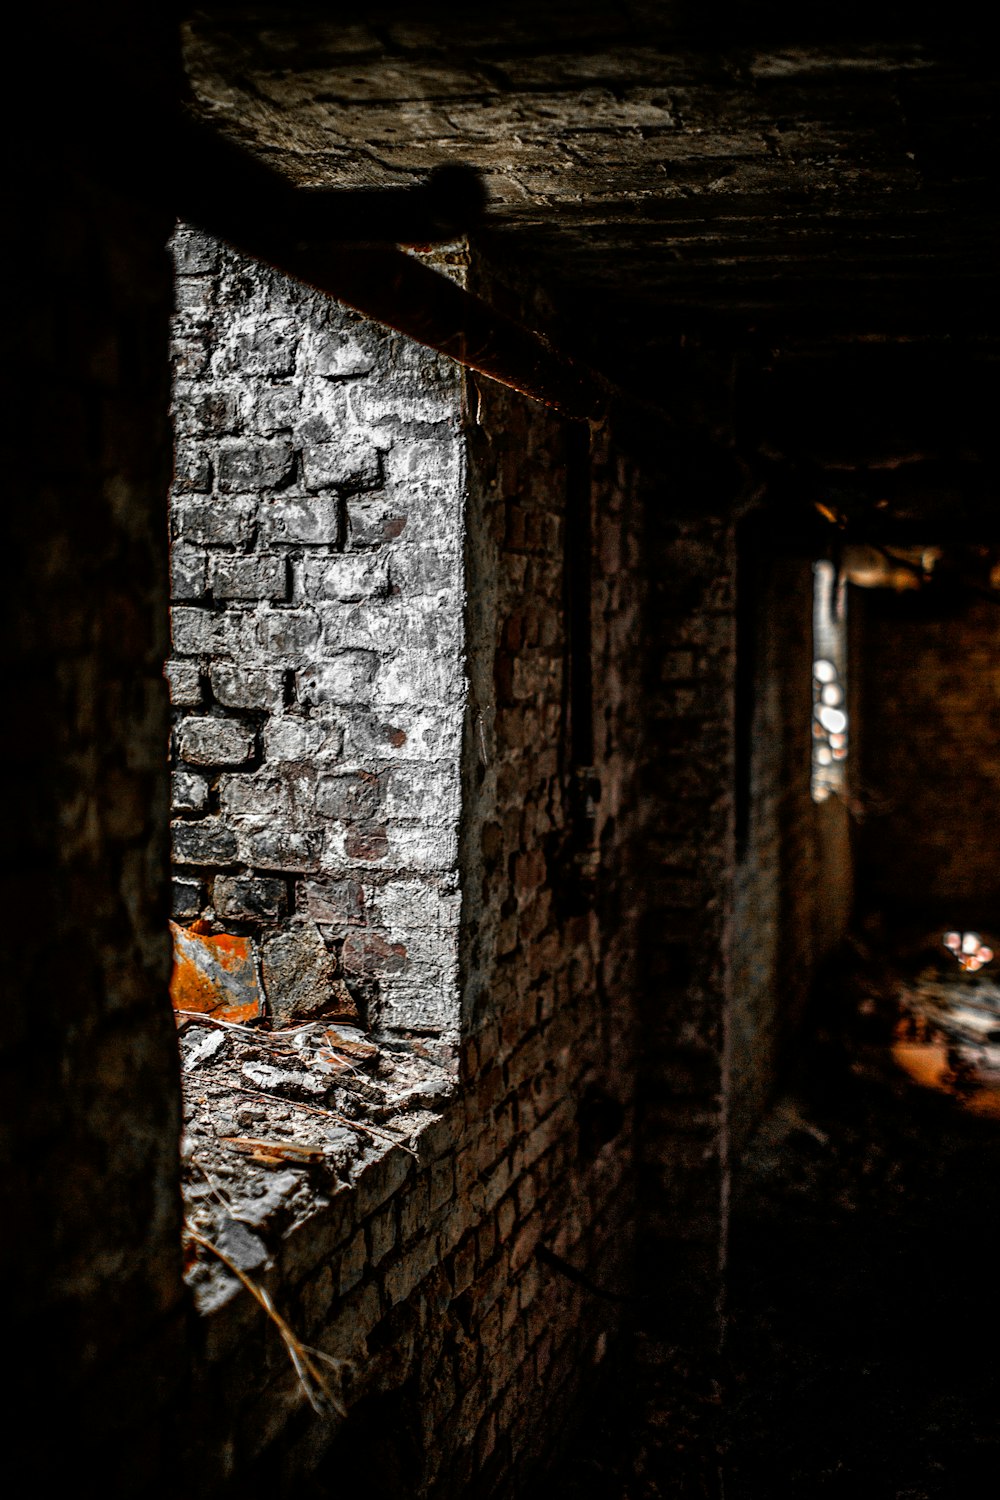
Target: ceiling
(810, 192)
(653, 165)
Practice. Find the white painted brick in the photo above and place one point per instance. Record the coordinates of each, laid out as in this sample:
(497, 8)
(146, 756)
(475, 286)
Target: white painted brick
(184, 680)
(349, 463)
(365, 659)
(207, 522)
(349, 576)
(347, 678)
(291, 738)
(188, 792)
(429, 793)
(301, 519)
(246, 687)
(254, 577)
(414, 675)
(188, 571)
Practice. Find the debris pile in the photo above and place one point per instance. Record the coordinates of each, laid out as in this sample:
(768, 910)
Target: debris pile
(277, 1121)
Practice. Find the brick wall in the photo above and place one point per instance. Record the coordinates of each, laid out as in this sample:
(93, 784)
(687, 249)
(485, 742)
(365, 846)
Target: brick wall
(748, 882)
(90, 1097)
(317, 677)
(373, 609)
(685, 944)
(930, 765)
(468, 1350)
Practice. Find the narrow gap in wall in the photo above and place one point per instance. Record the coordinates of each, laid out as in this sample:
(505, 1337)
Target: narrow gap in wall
(748, 580)
(830, 726)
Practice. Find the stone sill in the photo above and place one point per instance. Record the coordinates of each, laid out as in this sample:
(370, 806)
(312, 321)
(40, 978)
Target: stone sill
(288, 1134)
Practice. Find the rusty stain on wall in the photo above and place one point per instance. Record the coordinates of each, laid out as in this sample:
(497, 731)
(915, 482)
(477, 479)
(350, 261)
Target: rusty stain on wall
(215, 973)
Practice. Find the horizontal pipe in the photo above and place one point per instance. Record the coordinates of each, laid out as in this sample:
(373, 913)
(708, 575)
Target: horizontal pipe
(311, 236)
(397, 290)
(305, 234)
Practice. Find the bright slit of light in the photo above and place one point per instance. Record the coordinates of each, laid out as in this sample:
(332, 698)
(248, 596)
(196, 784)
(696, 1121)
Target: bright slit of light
(829, 716)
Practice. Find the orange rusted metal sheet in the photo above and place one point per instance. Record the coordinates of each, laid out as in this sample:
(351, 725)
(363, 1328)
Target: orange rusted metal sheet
(215, 973)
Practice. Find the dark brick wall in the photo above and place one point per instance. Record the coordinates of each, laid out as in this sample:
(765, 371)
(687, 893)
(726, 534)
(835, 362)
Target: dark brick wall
(748, 883)
(90, 1099)
(426, 1274)
(930, 764)
(469, 1348)
(685, 944)
(578, 901)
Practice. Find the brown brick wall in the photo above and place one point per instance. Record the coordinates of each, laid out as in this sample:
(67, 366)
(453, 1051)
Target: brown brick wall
(686, 939)
(930, 760)
(468, 1349)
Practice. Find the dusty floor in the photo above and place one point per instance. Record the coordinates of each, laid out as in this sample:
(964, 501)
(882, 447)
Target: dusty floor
(861, 1357)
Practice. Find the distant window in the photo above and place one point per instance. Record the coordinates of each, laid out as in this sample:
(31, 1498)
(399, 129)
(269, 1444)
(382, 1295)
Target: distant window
(829, 722)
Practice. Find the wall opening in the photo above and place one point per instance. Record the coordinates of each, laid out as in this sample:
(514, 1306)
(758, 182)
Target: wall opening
(830, 722)
(317, 671)
(318, 694)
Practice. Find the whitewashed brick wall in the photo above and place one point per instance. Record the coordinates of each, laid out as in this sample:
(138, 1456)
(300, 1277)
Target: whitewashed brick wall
(317, 673)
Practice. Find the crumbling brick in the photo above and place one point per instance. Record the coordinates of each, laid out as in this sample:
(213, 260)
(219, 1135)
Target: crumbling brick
(250, 897)
(215, 742)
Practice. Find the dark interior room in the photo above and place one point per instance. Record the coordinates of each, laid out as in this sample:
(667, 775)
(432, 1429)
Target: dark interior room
(503, 627)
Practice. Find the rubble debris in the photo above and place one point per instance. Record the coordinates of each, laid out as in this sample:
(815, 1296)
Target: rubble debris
(273, 1207)
(947, 1036)
(314, 1380)
(277, 1120)
(350, 1040)
(201, 1048)
(244, 1248)
(282, 1080)
(272, 1153)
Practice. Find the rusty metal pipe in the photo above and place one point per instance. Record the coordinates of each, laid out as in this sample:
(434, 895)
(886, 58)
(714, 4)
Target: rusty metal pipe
(399, 291)
(312, 236)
